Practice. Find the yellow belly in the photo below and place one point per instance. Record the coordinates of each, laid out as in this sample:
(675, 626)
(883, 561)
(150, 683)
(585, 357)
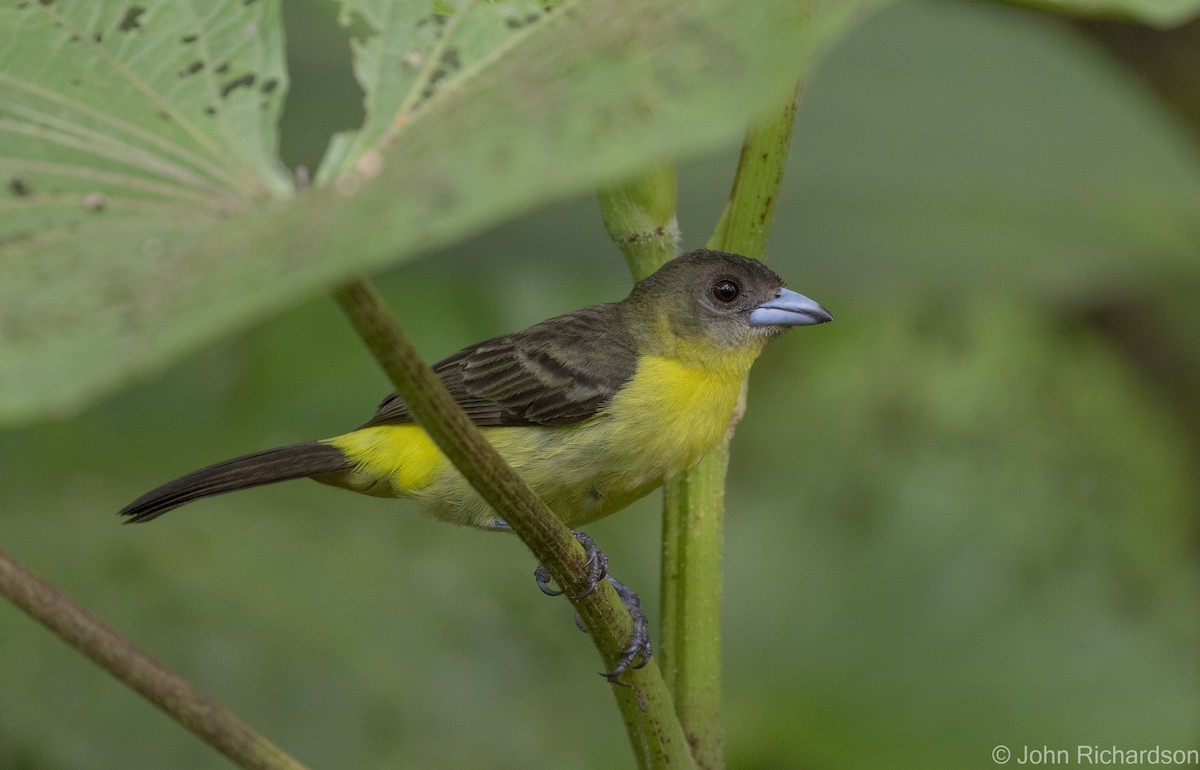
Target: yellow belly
(661, 423)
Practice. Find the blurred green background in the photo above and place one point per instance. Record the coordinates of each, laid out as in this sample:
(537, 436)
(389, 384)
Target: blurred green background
(963, 515)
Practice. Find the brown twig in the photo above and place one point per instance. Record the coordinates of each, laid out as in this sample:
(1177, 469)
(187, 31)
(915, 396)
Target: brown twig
(211, 722)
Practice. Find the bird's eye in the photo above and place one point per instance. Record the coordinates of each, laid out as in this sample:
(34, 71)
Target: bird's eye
(726, 290)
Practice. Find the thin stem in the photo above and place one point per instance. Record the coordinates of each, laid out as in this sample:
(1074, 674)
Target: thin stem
(642, 697)
(640, 217)
(191, 708)
(746, 223)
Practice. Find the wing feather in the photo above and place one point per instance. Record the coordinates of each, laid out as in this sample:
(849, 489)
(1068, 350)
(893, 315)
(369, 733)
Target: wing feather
(559, 372)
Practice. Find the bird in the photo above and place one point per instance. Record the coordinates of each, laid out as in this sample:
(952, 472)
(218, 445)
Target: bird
(594, 408)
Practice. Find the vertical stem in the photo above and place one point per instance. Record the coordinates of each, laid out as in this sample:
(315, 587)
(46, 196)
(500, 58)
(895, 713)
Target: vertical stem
(640, 215)
(693, 531)
(746, 222)
(694, 504)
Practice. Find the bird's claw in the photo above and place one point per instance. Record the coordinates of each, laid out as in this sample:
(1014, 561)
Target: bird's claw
(542, 576)
(596, 565)
(638, 648)
(637, 653)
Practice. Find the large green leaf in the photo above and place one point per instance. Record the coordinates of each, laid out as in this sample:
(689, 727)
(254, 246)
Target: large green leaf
(123, 266)
(162, 109)
(126, 131)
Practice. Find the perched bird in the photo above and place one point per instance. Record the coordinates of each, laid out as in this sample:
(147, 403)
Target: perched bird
(594, 408)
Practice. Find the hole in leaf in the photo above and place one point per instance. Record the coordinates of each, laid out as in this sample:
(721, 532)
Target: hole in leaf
(323, 96)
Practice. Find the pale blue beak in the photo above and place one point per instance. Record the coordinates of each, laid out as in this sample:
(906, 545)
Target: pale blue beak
(787, 308)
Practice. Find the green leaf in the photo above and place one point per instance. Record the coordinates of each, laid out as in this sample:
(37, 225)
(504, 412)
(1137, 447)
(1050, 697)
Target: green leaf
(582, 95)
(1158, 13)
(163, 109)
(126, 131)
(405, 53)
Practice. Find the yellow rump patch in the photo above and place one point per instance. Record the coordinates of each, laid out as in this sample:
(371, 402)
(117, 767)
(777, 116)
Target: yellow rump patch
(404, 455)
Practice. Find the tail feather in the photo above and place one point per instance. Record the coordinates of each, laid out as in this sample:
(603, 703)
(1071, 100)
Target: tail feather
(283, 464)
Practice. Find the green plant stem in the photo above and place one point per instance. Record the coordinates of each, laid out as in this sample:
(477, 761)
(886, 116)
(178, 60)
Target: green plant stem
(640, 217)
(642, 697)
(745, 225)
(694, 503)
(191, 708)
(692, 539)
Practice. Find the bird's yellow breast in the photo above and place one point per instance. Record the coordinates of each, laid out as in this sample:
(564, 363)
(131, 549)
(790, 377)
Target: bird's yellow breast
(659, 424)
(671, 414)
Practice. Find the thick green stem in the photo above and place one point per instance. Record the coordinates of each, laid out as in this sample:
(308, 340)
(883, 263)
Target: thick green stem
(131, 665)
(693, 529)
(640, 218)
(645, 704)
(694, 503)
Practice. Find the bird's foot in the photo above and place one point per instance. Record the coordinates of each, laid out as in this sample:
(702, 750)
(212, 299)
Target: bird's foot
(596, 565)
(638, 649)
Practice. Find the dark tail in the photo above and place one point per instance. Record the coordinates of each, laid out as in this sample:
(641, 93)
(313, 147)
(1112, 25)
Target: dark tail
(282, 464)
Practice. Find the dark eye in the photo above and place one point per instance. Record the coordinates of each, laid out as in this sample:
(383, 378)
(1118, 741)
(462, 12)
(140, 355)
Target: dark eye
(726, 290)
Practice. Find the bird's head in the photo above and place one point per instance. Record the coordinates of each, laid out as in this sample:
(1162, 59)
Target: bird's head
(719, 301)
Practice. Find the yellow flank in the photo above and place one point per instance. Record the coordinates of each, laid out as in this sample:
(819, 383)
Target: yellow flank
(662, 422)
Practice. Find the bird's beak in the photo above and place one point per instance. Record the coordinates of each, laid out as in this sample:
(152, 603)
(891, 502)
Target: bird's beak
(787, 308)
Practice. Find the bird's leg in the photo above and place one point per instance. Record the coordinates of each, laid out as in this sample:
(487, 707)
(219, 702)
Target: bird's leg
(597, 562)
(596, 565)
(639, 648)
(639, 639)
